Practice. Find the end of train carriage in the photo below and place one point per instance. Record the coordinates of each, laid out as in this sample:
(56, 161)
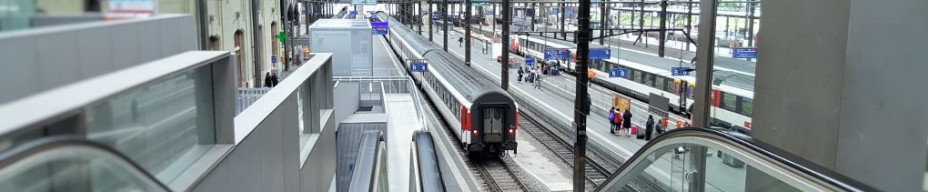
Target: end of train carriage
(492, 122)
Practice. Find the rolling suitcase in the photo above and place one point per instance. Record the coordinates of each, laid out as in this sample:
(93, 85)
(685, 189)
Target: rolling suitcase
(638, 133)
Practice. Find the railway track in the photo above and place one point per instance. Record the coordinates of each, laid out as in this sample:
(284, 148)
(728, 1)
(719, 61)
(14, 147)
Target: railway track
(595, 173)
(498, 177)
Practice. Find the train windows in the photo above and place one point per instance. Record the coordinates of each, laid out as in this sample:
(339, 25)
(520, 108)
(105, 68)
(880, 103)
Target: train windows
(729, 102)
(659, 82)
(636, 76)
(747, 106)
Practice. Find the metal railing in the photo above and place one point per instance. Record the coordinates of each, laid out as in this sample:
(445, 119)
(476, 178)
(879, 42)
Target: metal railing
(247, 96)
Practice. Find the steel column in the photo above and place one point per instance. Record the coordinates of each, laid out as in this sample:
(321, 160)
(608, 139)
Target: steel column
(444, 24)
(662, 37)
(467, 32)
(431, 20)
(507, 19)
(581, 108)
(563, 20)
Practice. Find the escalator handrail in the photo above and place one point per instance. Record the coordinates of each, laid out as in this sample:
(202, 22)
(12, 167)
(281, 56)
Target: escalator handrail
(768, 152)
(26, 150)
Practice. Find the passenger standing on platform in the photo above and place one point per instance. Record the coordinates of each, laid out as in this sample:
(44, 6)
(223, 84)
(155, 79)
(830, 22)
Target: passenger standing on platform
(627, 117)
(612, 121)
(648, 127)
(618, 121)
(274, 79)
(460, 41)
(537, 79)
(520, 72)
(267, 80)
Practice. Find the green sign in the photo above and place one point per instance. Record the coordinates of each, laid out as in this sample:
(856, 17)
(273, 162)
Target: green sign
(282, 37)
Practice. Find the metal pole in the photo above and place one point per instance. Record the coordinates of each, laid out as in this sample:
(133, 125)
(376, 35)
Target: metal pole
(507, 19)
(689, 21)
(751, 24)
(602, 23)
(581, 109)
(494, 20)
(419, 17)
(256, 45)
(467, 32)
(203, 18)
(563, 20)
(431, 20)
(285, 22)
(444, 23)
(663, 29)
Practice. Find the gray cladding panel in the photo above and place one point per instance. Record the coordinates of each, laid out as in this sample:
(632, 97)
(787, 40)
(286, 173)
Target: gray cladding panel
(149, 34)
(94, 50)
(18, 68)
(125, 48)
(57, 60)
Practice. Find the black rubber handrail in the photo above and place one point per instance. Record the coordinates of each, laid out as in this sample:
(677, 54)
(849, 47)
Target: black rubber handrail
(766, 150)
(43, 145)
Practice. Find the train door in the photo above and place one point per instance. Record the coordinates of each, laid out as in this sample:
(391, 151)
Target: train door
(493, 124)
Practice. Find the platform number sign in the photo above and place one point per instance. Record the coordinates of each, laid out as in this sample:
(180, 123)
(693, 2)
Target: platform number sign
(529, 61)
(379, 27)
(600, 53)
(679, 71)
(744, 52)
(557, 54)
(618, 72)
(418, 65)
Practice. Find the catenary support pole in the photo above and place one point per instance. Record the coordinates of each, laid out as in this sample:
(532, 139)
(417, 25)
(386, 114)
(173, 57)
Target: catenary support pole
(563, 20)
(507, 20)
(444, 23)
(581, 108)
(466, 25)
(662, 37)
(431, 20)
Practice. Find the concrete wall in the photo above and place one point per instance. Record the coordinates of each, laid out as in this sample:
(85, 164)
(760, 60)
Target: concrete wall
(348, 99)
(227, 17)
(840, 83)
(44, 58)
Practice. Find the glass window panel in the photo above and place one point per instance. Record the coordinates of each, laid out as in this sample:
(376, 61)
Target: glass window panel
(164, 126)
(729, 102)
(747, 106)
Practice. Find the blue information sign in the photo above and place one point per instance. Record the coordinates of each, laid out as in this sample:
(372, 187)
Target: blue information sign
(436, 15)
(529, 61)
(557, 54)
(379, 27)
(273, 59)
(744, 52)
(600, 53)
(679, 71)
(618, 72)
(418, 65)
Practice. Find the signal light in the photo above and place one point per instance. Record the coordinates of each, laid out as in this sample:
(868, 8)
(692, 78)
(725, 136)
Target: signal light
(475, 132)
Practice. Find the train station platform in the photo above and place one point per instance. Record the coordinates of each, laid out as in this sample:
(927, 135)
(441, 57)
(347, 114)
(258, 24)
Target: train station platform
(558, 106)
